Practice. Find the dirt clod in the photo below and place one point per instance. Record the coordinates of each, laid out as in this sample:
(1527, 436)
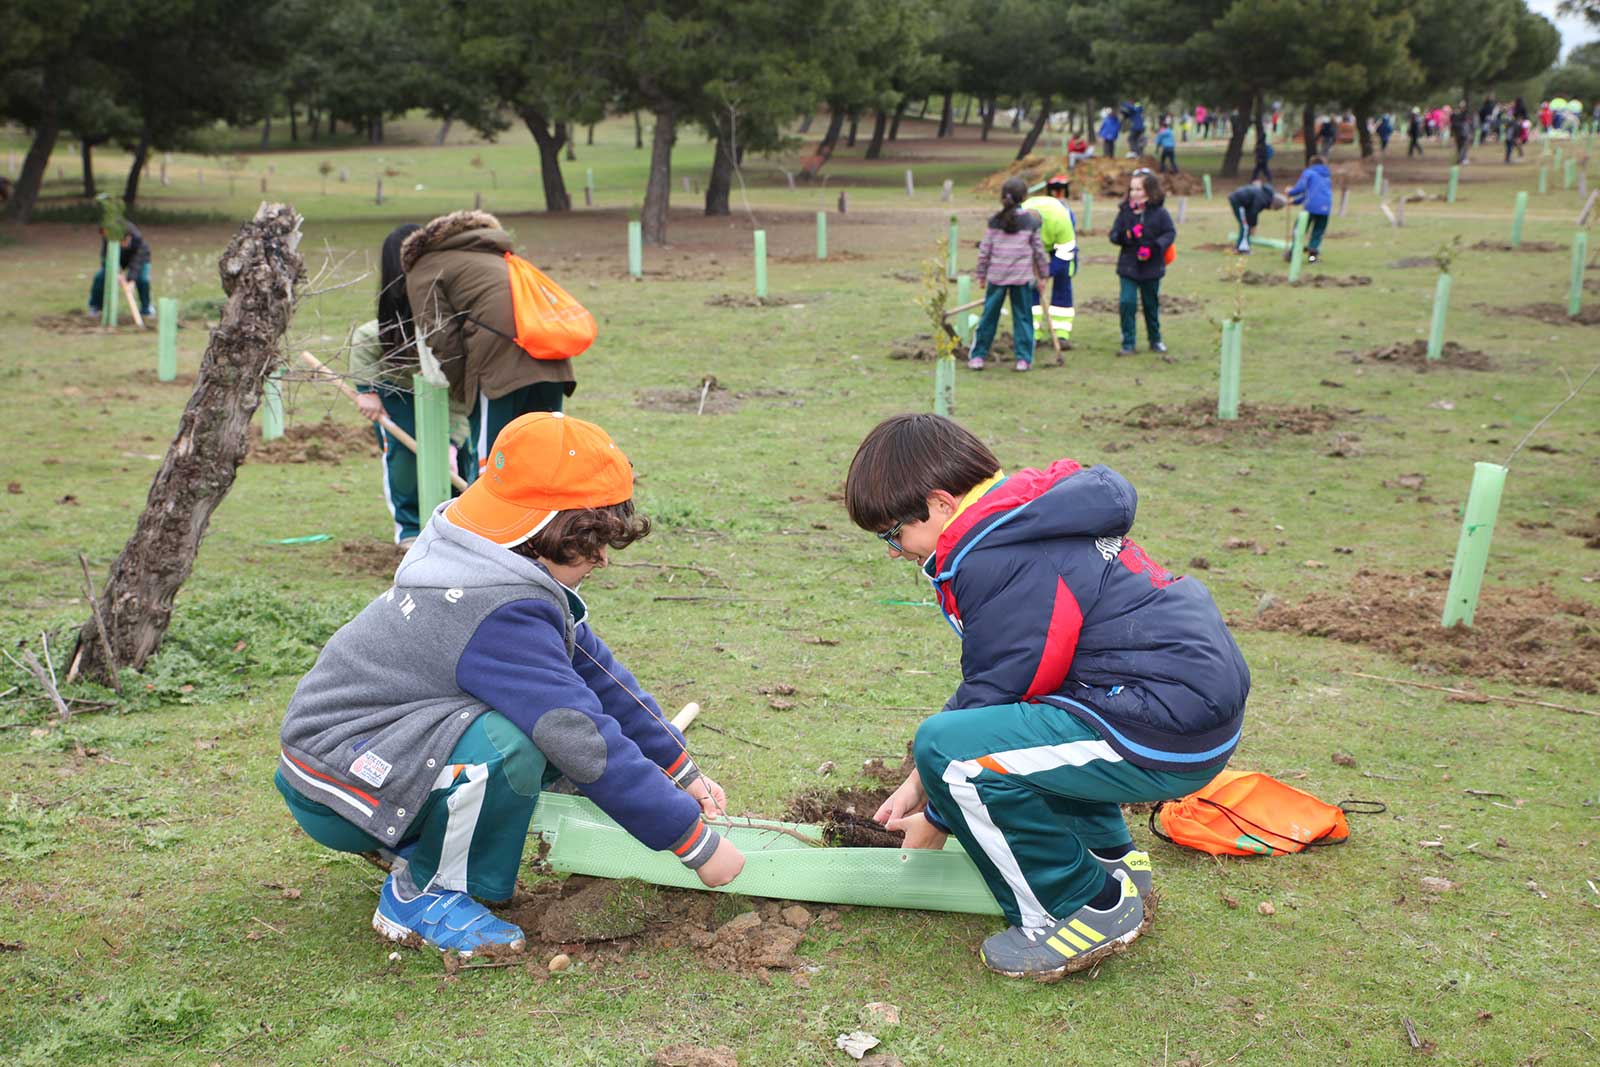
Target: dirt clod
(1199, 417)
(1415, 354)
(1170, 305)
(1314, 281)
(1526, 246)
(1556, 314)
(375, 558)
(740, 300)
(1524, 635)
(325, 441)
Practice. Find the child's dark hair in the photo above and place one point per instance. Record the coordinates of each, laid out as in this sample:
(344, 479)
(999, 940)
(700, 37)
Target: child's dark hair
(1154, 195)
(395, 331)
(1314, 160)
(903, 460)
(580, 534)
(1012, 194)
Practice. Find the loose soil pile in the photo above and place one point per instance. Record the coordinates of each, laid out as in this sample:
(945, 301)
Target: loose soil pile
(1590, 532)
(1100, 176)
(1315, 281)
(376, 559)
(1526, 246)
(1199, 417)
(326, 441)
(717, 399)
(1415, 354)
(1170, 305)
(1414, 261)
(734, 300)
(1556, 314)
(1525, 636)
(83, 324)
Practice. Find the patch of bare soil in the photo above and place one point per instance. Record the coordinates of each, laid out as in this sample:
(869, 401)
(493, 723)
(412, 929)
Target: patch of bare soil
(1215, 246)
(1415, 354)
(601, 921)
(1170, 305)
(1314, 281)
(1521, 635)
(1414, 261)
(326, 441)
(718, 398)
(737, 300)
(78, 323)
(1556, 314)
(1526, 246)
(1589, 532)
(375, 558)
(834, 256)
(1200, 417)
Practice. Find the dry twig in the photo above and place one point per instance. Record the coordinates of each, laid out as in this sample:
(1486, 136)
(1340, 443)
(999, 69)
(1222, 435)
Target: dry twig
(1477, 697)
(31, 664)
(99, 625)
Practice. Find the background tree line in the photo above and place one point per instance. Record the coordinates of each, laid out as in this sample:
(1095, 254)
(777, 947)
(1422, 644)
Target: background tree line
(148, 74)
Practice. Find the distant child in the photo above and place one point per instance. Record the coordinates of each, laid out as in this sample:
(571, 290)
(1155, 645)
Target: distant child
(1415, 128)
(1144, 230)
(1110, 129)
(1091, 677)
(1314, 189)
(1058, 233)
(425, 730)
(1247, 203)
(133, 260)
(1264, 154)
(1167, 147)
(1078, 149)
(1010, 261)
(1385, 131)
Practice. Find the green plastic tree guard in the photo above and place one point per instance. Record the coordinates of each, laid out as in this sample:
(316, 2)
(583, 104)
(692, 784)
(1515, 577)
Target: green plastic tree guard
(1228, 377)
(433, 444)
(1297, 250)
(272, 407)
(111, 289)
(1088, 213)
(166, 339)
(954, 249)
(1377, 181)
(963, 296)
(761, 263)
(1519, 213)
(1569, 174)
(1207, 179)
(1263, 242)
(1580, 256)
(944, 386)
(1544, 180)
(822, 235)
(1455, 179)
(1441, 307)
(584, 841)
(1472, 550)
(636, 249)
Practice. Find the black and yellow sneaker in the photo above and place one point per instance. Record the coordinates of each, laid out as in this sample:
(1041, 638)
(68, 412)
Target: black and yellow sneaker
(1083, 939)
(1137, 866)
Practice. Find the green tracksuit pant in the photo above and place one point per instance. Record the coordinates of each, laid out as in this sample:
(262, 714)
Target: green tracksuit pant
(471, 830)
(1028, 789)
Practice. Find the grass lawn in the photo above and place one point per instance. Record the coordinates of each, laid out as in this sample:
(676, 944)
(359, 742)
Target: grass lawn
(158, 906)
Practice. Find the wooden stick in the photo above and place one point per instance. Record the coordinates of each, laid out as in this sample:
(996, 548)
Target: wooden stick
(1049, 323)
(1472, 695)
(963, 307)
(690, 712)
(100, 626)
(31, 664)
(321, 370)
(133, 301)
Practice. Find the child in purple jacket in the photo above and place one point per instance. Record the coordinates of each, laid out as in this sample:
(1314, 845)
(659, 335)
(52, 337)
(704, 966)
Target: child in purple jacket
(1010, 261)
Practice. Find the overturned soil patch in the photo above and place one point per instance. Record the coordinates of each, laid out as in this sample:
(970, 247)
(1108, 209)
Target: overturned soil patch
(1100, 175)
(1414, 261)
(845, 815)
(1590, 532)
(377, 559)
(1170, 305)
(1521, 635)
(718, 398)
(1526, 246)
(83, 324)
(326, 441)
(735, 300)
(1216, 246)
(1314, 281)
(1556, 314)
(1199, 417)
(1415, 354)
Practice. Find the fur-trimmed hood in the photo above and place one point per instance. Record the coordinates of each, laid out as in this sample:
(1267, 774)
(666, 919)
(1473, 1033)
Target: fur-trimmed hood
(442, 229)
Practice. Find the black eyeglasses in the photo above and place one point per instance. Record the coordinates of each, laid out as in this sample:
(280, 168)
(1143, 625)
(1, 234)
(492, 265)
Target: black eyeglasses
(889, 536)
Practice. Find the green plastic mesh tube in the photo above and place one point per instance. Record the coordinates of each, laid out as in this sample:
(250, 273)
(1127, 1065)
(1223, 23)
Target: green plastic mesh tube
(954, 248)
(1519, 214)
(272, 407)
(1455, 180)
(1472, 550)
(944, 386)
(963, 296)
(433, 444)
(761, 263)
(167, 339)
(1228, 376)
(1088, 212)
(1297, 250)
(1377, 181)
(1207, 179)
(111, 289)
(822, 235)
(1441, 308)
(635, 249)
(1580, 256)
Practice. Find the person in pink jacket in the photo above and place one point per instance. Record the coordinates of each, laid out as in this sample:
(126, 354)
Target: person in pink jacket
(1011, 259)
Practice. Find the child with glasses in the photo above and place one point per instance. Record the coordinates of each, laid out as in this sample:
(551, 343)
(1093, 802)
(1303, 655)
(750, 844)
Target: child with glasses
(1090, 678)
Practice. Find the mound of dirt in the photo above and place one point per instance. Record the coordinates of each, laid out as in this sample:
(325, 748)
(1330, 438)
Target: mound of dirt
(1414, 261)
(1314, 281)
(708, 398)
(1216, 246)
(1526, 246)
(1556, 314)
(375, 558)
(1100, 176)
(1521, 635)
(1415, 354)
(735, 300)
(1590, 532)
(326, 441)
(78, 323)
(1170, 305)
(1200, 417)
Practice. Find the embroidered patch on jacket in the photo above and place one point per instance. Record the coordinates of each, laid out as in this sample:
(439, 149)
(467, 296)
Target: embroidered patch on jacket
(371, 768)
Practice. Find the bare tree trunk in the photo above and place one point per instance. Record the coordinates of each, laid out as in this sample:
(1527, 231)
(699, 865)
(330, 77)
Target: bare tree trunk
(86, 156)
(947, 115)
(266, 132)
(333, 123)
(141, 154)
(261, 271)
(1016, 117)
(1363, 131)
(899, 113)
(549, 141)
(850, 138)
(966, 112)
(805, 122)
(987, 111)
(658, 190)
(25, 194)
(1036, 129)
(721, 181)
(590, 139)
(879, 124)
(444, 131)
(294, 123)
(638, 131)
(813, 166)
(1235, 150)
(1308, 130)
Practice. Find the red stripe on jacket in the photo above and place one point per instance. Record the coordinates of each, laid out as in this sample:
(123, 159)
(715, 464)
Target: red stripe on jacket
(1060, 643)
(368, 797)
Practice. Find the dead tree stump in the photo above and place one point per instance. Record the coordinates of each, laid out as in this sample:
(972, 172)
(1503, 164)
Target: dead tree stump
(261, 273)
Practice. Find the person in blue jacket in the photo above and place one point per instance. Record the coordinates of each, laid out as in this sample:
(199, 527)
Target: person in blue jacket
(1110, 129)
(426, 728)
(1246, 203)
(1314, 190)
(1090, 677)
(1167, 146)
(1133, 119)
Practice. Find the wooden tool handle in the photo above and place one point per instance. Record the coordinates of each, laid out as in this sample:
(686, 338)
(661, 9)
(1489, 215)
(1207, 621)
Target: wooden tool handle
(689, 713)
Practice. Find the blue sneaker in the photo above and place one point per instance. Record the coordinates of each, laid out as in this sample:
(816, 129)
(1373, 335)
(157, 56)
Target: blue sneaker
(450, 921)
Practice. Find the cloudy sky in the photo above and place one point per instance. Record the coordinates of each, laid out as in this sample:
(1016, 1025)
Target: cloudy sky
(1574, 30)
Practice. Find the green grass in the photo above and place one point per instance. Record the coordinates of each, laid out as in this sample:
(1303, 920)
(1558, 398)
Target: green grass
(143, 854)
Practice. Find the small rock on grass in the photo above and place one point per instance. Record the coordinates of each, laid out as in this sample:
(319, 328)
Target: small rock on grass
(1266, 908)
(1438, 885)
(1344, 759)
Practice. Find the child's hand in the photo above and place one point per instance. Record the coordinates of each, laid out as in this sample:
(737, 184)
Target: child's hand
(920, 833)
(713, 801)
(905, 801)
(723, 866)
(1144, 253)
(369, 405)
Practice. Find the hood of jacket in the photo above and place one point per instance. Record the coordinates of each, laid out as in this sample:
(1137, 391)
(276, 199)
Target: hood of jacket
(458, 229)
(1321, 170)
(447, 557)
(1064, 500)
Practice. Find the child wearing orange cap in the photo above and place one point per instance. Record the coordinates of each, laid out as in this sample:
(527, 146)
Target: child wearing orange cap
(430, 721)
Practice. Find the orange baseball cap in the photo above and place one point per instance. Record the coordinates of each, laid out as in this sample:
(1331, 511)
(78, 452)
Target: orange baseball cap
(542, 463)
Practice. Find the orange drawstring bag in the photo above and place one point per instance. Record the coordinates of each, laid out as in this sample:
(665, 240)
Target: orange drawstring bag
(551, 324)
(1246, 813)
